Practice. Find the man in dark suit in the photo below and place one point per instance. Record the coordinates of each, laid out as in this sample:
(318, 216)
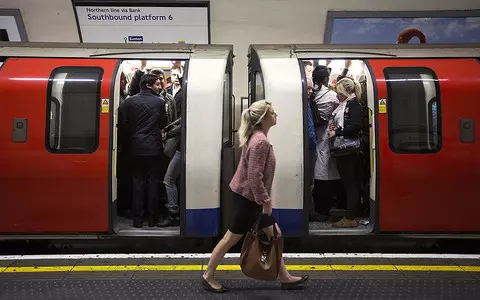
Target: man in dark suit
(143, 118)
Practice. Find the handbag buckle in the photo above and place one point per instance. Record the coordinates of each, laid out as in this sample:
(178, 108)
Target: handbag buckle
(263, 258)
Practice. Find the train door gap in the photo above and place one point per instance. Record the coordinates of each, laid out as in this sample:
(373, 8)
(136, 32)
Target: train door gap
(127, 85)
(329, 200)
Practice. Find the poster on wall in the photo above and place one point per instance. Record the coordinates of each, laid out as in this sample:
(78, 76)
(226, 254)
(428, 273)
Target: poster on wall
(11, 26)
(174, 22)
(449, 27)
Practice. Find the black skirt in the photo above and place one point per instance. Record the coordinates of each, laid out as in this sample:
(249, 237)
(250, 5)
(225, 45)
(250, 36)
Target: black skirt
(244, 215)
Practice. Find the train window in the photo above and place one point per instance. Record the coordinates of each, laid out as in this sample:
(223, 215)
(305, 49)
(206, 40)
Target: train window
(227, 108)
(259, 87)
(73, 109)
(413, 104)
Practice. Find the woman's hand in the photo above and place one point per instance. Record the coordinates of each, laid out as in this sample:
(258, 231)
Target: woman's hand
(267, 207)
(332, 126)
(331, 133)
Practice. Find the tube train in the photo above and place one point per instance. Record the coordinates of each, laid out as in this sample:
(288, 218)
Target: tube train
(58, 136)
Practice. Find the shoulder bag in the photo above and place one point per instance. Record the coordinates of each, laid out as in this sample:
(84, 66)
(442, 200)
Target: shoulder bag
(339, 146)
(260, 256)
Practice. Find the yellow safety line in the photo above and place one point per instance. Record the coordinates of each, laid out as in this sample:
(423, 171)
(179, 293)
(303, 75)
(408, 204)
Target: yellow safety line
(430, 268)
(171, 268)
(104, 268)
(2, 269)
(364, 268)
(237, 268)
(38, 269)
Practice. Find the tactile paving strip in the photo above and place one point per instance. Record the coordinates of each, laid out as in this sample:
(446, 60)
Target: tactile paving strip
(241, 289)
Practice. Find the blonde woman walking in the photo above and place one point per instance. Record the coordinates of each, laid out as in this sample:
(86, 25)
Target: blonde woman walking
(251, 186)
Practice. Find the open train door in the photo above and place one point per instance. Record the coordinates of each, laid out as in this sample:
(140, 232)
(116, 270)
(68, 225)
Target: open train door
(427, 149)
(55, 144)
(229, 144)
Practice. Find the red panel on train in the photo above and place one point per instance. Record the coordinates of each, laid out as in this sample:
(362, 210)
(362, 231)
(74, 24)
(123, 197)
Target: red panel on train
(435, 190)
(43, 191)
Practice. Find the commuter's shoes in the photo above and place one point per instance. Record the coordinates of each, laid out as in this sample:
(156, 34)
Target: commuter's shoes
(208, 287)
(137, 223)
(296, 284)
(345, 223)
(151, 221)
(170, 220)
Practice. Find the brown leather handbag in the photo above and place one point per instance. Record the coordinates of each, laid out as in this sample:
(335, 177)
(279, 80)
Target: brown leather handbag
(260, 256)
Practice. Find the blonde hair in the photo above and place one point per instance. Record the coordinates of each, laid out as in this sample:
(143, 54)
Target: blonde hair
(347, 86)
(251, 118)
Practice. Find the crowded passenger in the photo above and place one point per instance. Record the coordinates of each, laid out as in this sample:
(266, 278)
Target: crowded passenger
(312, 142)
(172, 137)
(124, 171)
(143, 118)
(134, 87)
(326, 174)
(348, 123)
(363, 167)
(308, 68)
(123, 87)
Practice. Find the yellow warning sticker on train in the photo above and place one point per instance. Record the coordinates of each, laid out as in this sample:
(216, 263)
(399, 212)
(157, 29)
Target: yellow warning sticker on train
(382, 106)
(105, 105)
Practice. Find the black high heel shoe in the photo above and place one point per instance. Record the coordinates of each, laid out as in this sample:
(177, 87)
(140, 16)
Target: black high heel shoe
(206, 286)
(295, 284)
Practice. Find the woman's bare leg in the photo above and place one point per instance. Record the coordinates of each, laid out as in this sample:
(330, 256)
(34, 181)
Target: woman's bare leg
(226, 243)
(283, 275)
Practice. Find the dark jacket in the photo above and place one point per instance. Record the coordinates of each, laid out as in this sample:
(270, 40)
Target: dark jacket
(178, 100)
(173, 131)
(142, 118)
(134, 87)
(352, 124)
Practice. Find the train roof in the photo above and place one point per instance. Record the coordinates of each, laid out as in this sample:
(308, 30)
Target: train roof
(307, 51)
(112, 50)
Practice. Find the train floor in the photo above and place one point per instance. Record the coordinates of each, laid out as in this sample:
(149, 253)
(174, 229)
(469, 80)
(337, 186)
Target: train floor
(124, 227)
(177, 276)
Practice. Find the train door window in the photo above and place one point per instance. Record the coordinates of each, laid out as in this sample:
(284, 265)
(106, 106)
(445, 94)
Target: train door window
(73, 109)
(227, 109)
(259, 87)
(413, 104)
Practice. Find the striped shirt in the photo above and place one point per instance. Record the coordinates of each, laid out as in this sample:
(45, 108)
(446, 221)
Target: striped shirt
(254, 176)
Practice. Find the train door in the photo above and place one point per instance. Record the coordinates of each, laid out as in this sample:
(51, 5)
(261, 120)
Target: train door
(208, 141)
(427, 147)
(174, 78)
(229, 143)
(325, 201)
(279, 80)
(54, 145)
(282, 79)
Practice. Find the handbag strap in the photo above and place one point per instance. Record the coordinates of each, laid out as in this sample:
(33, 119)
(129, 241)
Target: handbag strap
(255, 228)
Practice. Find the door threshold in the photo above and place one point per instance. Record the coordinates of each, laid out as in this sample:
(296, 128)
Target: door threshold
(124, 227)
(149, 231)
(326, 228)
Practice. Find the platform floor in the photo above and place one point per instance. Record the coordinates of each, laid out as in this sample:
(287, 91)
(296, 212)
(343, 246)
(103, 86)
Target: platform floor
(152, 276)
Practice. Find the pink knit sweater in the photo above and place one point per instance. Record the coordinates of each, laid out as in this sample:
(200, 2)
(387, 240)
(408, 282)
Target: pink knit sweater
(254, 176)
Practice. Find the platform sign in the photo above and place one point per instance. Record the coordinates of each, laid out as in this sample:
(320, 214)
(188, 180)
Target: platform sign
(143, 24)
